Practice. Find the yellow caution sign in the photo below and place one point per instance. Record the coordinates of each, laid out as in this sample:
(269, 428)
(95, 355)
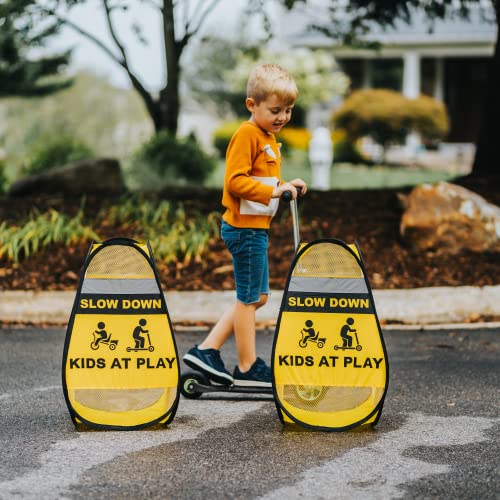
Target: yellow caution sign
(120, 363)
(329, 361)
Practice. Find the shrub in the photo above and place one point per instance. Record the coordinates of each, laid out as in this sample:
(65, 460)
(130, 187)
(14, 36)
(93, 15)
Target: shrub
(40, 231)
(176, 235)
(379, 113)
(55, 152)
(165, 160)
(387, 116)
(429, 118)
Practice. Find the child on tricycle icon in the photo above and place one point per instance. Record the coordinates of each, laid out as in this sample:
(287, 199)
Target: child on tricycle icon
(309, 334)
(101, 336)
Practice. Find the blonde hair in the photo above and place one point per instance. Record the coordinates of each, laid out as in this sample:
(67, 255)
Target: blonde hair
(270, 79)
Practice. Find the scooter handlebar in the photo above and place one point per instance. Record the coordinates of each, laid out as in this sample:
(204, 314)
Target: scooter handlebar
(288, 196)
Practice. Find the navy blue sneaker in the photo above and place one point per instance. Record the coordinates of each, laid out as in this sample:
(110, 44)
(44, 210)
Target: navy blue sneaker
(208, 362)
(259, 375)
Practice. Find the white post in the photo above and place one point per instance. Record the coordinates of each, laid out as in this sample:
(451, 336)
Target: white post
(411, 74)
(321, 158)
(367, 73)
(439, 79)
(411, 89)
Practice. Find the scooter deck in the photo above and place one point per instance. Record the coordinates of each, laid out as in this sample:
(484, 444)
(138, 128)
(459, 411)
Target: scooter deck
(194, 384)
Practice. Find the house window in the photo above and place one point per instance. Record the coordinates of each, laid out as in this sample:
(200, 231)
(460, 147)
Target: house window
(387, 74)
(428, 76)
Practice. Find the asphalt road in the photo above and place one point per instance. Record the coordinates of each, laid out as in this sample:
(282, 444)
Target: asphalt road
(438, 436)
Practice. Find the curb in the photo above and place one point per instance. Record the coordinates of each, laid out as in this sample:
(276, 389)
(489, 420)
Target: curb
(420, 306)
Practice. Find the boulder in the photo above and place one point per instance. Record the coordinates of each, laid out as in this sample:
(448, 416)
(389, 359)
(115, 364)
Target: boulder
(102, 175)
(448, 218)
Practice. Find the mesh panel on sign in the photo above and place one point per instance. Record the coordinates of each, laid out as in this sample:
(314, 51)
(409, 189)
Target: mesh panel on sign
(327, 399)
(119, 260)
(121, 400)
(327, 260)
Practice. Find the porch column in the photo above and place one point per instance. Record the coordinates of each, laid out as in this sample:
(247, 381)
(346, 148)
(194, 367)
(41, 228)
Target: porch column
(367, 73)
(411, 89)
(411, 74)
(439, 79)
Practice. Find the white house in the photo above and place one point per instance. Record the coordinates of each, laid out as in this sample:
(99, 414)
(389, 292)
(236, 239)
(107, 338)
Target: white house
(444, 59)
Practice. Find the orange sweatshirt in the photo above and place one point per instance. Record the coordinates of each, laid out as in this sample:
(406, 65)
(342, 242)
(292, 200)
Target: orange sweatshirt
(253, 164)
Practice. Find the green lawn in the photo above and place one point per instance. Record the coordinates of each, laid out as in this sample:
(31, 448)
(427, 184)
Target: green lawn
(348, 176)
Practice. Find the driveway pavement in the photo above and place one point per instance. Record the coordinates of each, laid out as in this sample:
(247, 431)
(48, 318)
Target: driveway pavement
(438, 436)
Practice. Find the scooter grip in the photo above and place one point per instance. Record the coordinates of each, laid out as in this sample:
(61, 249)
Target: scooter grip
(288, 196)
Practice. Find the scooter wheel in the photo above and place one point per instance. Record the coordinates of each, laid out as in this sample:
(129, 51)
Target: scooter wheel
(310, 393)
(112, 346)
(188, 382)
(358, 348)
(151, 348)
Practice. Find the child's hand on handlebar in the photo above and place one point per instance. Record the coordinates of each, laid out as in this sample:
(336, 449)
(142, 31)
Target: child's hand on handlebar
(291, 186)
(282, 188)
(299, 183)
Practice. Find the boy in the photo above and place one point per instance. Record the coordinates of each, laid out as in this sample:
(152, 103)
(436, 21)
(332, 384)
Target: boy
(252, 189)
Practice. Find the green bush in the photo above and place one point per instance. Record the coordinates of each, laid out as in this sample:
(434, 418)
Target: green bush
(429, 118)
(55, 152)
(176, 235)
(165, 160)
(378, 113)
(388, 116)
(40, 231)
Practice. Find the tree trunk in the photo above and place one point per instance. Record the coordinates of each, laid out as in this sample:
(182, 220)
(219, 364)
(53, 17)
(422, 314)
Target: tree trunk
(169, 103)
(486, 161)
(167, 106)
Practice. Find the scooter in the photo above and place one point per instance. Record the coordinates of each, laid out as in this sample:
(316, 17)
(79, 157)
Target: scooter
(358, 346)
(107, 341)
(194, 384)
(150, 348)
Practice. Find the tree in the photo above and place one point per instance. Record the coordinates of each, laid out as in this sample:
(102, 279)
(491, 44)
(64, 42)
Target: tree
(206, 76)
(349, 21)
(20, 74)
(181, 21)
(180, 24)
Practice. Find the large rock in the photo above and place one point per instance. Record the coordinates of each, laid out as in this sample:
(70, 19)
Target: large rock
(448, 218)
(102, 175)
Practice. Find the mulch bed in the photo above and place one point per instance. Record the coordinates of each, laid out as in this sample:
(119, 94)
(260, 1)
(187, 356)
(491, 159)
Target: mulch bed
(371, 217)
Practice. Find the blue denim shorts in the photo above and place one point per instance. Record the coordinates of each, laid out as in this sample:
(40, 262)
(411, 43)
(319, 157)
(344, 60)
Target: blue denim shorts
(248, 247)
